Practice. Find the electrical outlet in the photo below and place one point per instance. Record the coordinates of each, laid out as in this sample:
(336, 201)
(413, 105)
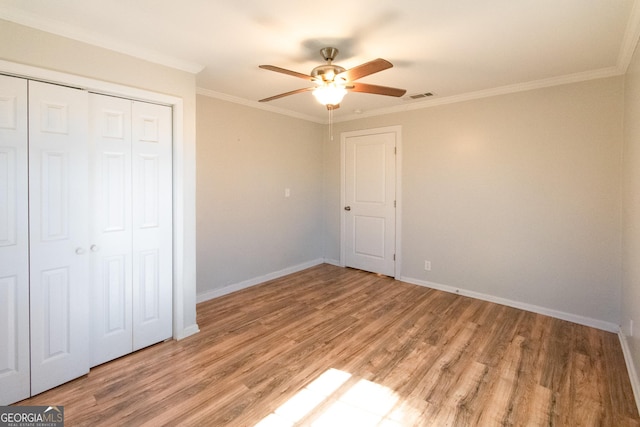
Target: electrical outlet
(427, 265)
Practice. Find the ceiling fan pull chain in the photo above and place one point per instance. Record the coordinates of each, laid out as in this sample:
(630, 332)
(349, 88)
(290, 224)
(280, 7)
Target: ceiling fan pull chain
(331, 123)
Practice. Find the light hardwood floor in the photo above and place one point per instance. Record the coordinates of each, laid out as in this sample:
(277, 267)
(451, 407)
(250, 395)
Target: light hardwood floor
(340, 347)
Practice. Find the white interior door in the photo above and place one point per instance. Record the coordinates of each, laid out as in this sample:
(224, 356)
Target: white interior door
(152, 223)
(369, 200)
(111, 236)
(14, 242)
(59, 231)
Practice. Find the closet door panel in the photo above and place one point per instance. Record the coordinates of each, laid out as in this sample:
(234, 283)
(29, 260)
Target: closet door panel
(152, 224)
(59, 270)
(14, 243)
(111, 300)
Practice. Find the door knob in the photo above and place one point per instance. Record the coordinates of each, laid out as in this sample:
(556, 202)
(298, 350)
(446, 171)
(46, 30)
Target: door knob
(94, 248)
(80, 251)
(347, 208)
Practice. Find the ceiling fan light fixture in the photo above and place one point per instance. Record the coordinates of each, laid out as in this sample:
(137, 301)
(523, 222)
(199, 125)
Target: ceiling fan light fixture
(330, 94)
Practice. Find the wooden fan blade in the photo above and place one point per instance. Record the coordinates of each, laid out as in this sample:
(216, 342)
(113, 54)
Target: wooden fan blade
(375, 89)
(285, 71)
(365, 69)
(282, 95)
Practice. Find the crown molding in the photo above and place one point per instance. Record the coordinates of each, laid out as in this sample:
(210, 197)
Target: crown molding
(258, 105)
(630, 39)
(486, 93)
(64, 30)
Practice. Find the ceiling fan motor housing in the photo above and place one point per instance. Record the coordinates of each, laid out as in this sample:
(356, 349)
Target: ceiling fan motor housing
(326, 73)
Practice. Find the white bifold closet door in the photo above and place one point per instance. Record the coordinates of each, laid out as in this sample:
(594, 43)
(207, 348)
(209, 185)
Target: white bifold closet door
(112, 232)
(86, 269)
(14, 242)
(59, 234)
(152, 207)
(131, 248)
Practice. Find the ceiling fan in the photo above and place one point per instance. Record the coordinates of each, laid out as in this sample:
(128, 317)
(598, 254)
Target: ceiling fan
(333, 81)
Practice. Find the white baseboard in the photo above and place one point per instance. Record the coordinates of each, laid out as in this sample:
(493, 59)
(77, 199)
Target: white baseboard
(333, 262)
(581, 320)
(631, 367)
(215, 293)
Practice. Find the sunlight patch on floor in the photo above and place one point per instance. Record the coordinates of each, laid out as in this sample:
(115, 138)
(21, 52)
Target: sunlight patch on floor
(306, 399)
(363, 404)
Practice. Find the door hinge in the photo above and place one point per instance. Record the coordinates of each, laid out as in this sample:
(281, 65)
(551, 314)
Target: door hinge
(395, 150)
(394, 257)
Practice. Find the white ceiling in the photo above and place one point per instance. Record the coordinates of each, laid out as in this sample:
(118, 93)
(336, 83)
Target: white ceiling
(457, 49)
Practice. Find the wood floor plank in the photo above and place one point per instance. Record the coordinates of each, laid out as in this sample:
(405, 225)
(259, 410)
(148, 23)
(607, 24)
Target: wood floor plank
(404, 355)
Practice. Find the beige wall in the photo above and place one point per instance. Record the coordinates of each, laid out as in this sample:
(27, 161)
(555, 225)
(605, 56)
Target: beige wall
(247, 228)
(39, 49)
(514, 196)
(631, 212)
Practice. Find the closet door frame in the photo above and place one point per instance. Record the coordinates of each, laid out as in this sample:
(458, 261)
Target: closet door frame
(183, 237)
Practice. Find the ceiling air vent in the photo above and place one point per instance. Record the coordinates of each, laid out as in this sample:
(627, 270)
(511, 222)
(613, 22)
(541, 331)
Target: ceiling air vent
(421, 95)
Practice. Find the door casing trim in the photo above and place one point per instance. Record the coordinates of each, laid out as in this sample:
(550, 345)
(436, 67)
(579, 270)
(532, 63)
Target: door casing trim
(397, 129)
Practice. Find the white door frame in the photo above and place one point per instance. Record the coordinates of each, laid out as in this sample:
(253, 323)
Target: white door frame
(180, 330)
(343, 139)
